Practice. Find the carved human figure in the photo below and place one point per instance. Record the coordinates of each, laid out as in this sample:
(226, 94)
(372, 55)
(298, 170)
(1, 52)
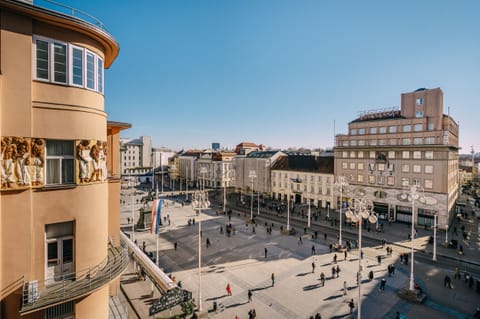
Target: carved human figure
(37, 160)
(22, 161)
(103, 161)
(96, 162)
(84, 159)
(8, 178)
(3, 146)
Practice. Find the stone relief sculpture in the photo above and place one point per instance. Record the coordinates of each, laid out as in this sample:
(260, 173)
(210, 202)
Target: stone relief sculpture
(9, 151)
(22, 160)
(84, 159)
(103, 161)
(96, 162)
(37, 160)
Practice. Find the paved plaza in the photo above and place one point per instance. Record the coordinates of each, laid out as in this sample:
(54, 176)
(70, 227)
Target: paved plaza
(239, 260)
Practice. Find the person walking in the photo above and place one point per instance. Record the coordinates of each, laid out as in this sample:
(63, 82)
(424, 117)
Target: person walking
(351, 305)
(313, 267)
(335, 258)
(266, 252)
(249, 295)
(379, 259)
(338, 271)
(322, 279)
(333, 271)
(370, 275)
(273, 279)
(313, 250)
(175, 245)
(383, 283)
(345, 288)
(229, 290)
(345, 254)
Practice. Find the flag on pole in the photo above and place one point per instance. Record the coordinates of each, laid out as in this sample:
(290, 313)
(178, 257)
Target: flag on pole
(156, 220)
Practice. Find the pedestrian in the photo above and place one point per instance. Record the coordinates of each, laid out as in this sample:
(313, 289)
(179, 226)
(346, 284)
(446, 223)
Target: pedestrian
(447, 282)
(273, 279)
(345, 254)
(266, 252)
(313, 249)
(457, 273)
(313, 267)
(379, 259)
(389, 268)
(393, 269)
(383, 283)
(335, 258)
(317, 316)
(333, 271)
(249, 295)
(325, 236)
(401, 258)
(338, 271)
(370, 275)
(208, 242)
(229, 290)
(330, 246)
(175, 245)
(144, 245)
(322, 279)
(405, 259)
(351, 304)
(300, 241)
(344, 288)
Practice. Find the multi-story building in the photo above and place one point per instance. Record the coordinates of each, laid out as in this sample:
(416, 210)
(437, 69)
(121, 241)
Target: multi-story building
(305, 178)
(160, 157)
(136, 156)
(217, 168)
(60, 189)
(253, 171)
(387, 151)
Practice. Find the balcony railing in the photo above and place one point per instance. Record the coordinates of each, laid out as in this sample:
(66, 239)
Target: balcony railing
(40, 295)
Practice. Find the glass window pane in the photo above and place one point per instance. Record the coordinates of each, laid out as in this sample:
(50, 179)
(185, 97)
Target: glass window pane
(53, 171)
(67, 250)
(100, 75)
(60, 63)
(42, 59)
(58, 148)
(90, 71)
(77, 66)
(67, 171)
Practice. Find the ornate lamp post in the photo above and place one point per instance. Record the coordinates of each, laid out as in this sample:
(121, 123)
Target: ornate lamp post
(340, 184)
(251, 175)
(358, 210)
(200, 201)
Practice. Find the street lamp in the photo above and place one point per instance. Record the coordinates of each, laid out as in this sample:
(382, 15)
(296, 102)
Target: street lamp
(288, 205)
(358, 210)
(226, 176)
(434, 258)
(412, 196)
(251, 175)
(340, 184)
(200, 201)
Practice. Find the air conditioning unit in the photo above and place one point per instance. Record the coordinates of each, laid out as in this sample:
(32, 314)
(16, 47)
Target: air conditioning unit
(32, 292)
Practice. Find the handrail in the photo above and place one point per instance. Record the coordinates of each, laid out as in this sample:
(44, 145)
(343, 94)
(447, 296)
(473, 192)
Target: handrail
(40, 295)
(14, 285)
(76, 13)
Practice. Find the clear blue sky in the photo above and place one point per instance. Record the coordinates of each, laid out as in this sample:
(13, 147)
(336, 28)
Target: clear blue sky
(281, 72)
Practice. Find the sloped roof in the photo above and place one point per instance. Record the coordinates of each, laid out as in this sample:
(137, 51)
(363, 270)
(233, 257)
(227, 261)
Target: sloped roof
(305, 163)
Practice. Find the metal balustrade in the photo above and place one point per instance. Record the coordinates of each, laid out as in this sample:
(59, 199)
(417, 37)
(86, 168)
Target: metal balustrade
(39, 295)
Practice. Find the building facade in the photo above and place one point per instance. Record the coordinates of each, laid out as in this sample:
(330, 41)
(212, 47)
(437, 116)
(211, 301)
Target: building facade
(387, 151)
(136, 155)
(60, 251)
(305, 179)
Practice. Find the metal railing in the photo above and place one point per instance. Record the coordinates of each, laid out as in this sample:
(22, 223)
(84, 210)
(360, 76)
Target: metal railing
(64, 9)
(42, 294)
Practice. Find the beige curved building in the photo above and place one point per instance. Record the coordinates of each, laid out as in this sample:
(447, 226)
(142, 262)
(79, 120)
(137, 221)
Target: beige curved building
(60, 253)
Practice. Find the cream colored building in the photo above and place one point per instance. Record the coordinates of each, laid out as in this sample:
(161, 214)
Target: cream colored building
(387, 151)
(60, 251)
(304, 178)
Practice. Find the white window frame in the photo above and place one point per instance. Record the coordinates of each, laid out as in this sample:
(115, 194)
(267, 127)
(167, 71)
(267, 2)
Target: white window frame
(82, 50)
(60, 159)
(417, 168)
(428, 154)
(417, 154)
(428, 183)
(428, 169)
(406, 128)
(391, 154)
(360, 166)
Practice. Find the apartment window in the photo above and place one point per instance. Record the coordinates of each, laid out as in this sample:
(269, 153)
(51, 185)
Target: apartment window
(68, 64)
(428, 183)
(417, 154)
(361, 143)
(352, 154)
(417, 140)
(345, 154)
(60, 166)
(312, 190)
(406, 141)
(380, 180)
(344, 165)
(405, 168)
(360, 166)
(419, 114)
(352, 165)
(361, 131)
(373, 130)
(430, 126)
(373, 142)
(416, 182)
(405, 182)
(382, 130)
(406, 128)
(428, 155)
(419, 101)
(372, 154)
(391, 154)
(371, 179)
(59, 63)
(393, 141)
(360, 178)
(417, 127)
(430, 140)
(392, 129)
(417, 168)
(345, 143)
(353, 143)
(360, 154)
(405, 154)
(390, 181)
(382, 142)
(428, 169)
(381, 167)
(353, 131)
